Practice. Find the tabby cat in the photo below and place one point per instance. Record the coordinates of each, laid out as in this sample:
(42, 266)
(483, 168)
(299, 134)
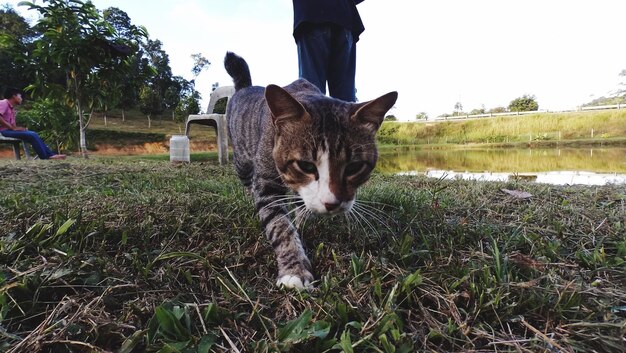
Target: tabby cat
(295, 145)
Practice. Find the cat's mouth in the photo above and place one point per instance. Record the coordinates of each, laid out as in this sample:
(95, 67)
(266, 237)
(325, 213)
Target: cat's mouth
(329, 209)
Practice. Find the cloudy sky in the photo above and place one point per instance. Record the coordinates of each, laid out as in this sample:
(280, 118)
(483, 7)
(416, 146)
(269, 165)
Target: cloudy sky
(434, 53)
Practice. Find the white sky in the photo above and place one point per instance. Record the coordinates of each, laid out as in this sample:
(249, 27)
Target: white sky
(434, 53)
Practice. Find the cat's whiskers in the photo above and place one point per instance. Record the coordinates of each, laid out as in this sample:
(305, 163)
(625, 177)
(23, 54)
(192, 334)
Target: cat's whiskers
(366, 211)
(302, 215)
(280, 201)
(360, 217)
(375, 214)
(375, 203)
(287, 215)
(350, 217)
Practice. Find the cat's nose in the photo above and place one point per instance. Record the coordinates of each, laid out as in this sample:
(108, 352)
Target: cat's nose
(331, 206)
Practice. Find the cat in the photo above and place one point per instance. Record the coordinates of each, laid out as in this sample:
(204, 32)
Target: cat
(296, 145)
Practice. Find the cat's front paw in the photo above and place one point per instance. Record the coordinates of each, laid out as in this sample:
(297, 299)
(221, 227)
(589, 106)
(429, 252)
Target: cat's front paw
(300, 282)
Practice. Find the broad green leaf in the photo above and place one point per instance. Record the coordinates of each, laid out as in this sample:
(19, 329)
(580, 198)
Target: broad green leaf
(357, 325)
(389, 348)
(293, 330)
(321, 329)
(346, 343)
(206, 342)
(131, 342)
(170, 324)
(211, 314)
(63, 229)
(173, 347)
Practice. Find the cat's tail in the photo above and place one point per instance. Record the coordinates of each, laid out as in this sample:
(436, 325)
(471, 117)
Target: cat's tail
(237, 68)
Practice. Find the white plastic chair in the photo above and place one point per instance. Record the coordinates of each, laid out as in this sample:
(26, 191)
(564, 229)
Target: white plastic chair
(218, 121)
(16, 146)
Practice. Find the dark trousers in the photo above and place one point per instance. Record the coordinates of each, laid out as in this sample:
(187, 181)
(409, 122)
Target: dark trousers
(327, 53)
(42, 150)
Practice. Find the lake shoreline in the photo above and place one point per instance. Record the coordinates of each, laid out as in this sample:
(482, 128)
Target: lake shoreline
(592, 143)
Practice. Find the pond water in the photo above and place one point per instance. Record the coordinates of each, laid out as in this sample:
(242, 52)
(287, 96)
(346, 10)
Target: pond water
(587, 166)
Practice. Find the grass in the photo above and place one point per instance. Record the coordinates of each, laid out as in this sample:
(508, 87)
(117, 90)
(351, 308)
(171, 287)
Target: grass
(137, 255)
(133, 136)
(544, 128)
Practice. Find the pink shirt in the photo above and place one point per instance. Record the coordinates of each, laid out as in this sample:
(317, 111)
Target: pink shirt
(7, 112)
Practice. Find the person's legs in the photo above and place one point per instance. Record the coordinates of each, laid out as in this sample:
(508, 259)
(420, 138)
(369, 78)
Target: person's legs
(342, 67)
(31, 137)
(313, 54)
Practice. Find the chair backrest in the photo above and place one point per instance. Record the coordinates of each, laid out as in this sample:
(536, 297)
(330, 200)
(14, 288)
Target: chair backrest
(217, 94)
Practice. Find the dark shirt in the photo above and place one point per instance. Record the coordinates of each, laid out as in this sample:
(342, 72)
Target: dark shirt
(339, 12)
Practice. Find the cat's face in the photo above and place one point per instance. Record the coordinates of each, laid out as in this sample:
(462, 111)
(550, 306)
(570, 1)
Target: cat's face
(325, 169)
(326, 152)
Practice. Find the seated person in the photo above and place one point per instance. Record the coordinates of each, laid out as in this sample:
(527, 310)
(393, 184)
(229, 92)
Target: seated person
(13, 97)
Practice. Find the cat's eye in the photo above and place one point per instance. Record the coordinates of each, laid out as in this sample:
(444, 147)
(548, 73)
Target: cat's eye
(354, 168)
(307, 167)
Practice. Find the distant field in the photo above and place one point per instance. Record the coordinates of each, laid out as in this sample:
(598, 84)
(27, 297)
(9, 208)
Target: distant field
(581, 126)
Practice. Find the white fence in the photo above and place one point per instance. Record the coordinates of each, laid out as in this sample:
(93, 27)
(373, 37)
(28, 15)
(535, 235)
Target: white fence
(491, 115)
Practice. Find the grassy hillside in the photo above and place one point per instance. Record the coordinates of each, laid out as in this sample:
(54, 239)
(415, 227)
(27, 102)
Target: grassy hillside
(134, 135)
(136, 122)
(134, 255)
(607, 125)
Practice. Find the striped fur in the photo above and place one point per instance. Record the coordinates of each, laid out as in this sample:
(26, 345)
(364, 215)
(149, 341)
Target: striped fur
(295, 145)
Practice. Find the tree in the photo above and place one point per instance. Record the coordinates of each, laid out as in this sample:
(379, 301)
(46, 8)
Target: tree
(138, 69)
(78, 42)
(421, 116)
(188, 105)
(189, 100)
(200, 63)
(391, 118)
(619, 97)
(150, 102)
(458, 109)
(497, 110)
(158, 59)
(158, 79)
(525, 103)
(172, 96)
(477, 111)
(121, 23)
(16, 41)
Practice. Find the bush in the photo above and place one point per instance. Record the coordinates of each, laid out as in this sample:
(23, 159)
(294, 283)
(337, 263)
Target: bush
(525, 103)
(54, 121)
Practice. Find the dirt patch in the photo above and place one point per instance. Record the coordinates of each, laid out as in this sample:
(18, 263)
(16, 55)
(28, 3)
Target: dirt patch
(135, 149)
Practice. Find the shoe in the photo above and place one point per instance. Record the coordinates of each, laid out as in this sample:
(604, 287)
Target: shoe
(58, 156)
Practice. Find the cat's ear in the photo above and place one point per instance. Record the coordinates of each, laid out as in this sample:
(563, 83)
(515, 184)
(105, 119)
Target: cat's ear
(282, 105)
(371, 114)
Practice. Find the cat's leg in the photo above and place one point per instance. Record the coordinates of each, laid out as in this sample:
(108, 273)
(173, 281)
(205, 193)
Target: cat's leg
(294, 268)
(244, 170)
